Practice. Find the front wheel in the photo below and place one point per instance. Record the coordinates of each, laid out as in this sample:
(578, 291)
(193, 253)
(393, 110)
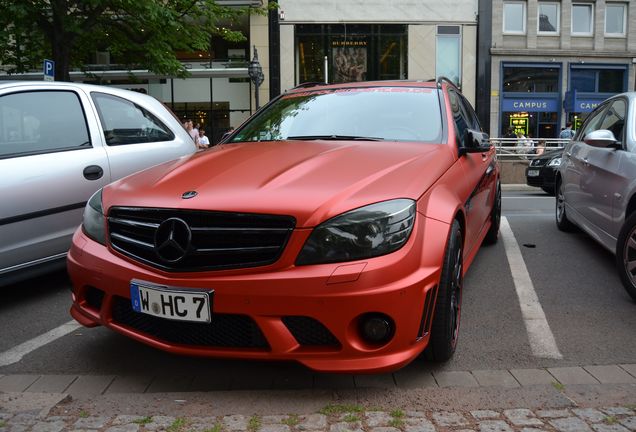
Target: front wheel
(562, 221)
(626, 255)
(445, 329)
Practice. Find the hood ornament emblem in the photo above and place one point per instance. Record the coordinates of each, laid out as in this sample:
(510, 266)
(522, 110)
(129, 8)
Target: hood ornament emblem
(189, 194)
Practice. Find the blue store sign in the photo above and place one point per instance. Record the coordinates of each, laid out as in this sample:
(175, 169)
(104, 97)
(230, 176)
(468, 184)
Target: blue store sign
(530, 105)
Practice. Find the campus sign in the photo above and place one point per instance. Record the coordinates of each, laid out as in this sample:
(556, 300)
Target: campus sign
(530, 105)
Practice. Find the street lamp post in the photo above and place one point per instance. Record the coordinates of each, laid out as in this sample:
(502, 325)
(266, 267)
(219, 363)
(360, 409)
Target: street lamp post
(255, 72)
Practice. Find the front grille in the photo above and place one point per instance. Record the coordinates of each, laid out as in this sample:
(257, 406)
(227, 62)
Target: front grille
(310, 332)
(225, 330)
(217, 240)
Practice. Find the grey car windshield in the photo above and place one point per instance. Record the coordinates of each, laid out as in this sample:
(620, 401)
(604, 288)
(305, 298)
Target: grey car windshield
(370, 113)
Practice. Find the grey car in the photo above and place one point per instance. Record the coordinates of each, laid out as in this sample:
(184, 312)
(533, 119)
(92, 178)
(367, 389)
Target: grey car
(59, 143)
(596, 182)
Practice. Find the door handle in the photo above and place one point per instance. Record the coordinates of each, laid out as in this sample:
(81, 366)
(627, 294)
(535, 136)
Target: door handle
(585, 162)
(93, 172)
(568, 154)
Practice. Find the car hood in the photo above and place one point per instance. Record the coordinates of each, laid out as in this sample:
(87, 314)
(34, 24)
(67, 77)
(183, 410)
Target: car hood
(310, 180)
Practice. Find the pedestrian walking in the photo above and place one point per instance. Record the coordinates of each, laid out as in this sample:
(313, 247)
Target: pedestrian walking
(567, 133)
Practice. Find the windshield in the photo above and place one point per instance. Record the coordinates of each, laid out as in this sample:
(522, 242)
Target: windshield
(372, 113)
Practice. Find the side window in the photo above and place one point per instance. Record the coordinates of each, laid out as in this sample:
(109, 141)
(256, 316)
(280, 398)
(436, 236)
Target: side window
(127, 123)
(614, 119)
(592, 123)
(473, 120)
(459, 117)
(41, 122)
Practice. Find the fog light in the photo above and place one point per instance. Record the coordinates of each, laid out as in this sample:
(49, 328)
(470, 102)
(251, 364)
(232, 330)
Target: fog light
(376, 328)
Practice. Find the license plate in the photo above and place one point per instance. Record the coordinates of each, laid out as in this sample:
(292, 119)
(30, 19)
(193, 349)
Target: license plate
(181, 304)
(533, 173)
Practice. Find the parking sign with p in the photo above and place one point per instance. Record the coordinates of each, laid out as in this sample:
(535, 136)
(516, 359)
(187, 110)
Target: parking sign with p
(49, 70)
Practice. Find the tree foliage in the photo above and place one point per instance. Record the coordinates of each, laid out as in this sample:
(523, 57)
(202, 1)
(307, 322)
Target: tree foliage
(143, 34)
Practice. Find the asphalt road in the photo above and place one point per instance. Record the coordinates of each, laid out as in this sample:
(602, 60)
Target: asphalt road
(588, 312)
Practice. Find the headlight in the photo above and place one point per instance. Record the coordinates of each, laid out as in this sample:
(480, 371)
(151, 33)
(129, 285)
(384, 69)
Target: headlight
(370, 231)
(555, 162)
(94, 224)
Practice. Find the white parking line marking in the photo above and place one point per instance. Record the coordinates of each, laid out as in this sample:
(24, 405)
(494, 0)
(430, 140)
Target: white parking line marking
(540, 336)
(16, 353)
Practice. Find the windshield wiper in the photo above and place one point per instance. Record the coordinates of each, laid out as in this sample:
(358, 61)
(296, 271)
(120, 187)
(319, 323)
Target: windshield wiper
(335, 138)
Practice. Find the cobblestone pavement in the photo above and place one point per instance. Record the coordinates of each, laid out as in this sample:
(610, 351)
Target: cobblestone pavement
(341, 418)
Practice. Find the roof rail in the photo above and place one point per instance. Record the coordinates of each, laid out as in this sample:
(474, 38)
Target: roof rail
(309, 84)
(441, 79)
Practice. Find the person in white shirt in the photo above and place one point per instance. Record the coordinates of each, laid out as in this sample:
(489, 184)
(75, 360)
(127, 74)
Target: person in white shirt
(204, 141)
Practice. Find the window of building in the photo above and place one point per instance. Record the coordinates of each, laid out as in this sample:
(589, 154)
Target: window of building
(514, 19)
(582, 19)
(448, 53)
(615, 20)
(595, 79)
(355, 52)
(548, 18)
(530, 79)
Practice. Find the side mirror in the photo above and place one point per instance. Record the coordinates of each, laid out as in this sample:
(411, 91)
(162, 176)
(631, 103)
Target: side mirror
(474, 141)
(601, 138)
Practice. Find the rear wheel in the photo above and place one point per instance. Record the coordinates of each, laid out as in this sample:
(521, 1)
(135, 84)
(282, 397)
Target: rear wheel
(626, 255)
(562, 221)
(445, 329)
(495, 219)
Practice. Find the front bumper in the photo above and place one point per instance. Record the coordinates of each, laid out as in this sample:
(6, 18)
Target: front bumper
(277, 306)
(545, 179)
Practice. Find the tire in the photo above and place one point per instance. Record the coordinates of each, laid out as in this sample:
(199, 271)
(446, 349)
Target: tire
(548, 190)
(626, 255)
(495, 219)
(562, 221)
(447, 314)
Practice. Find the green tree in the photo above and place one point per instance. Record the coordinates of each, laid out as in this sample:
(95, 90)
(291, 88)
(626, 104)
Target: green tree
(139, 33)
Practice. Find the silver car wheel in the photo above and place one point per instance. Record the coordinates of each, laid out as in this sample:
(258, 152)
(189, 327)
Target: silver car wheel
(629, 256)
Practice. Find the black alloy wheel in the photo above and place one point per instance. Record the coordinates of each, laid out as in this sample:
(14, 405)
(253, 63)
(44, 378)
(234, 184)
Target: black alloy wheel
(446, 319)
(562, 221)
(495, 219)
(626, 255)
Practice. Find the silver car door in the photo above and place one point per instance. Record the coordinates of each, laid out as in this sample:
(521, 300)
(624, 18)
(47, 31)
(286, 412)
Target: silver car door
(136, 136)
(603, 179)
(50, 164)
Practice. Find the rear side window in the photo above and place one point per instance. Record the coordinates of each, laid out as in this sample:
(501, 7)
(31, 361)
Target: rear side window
(41, 122)
(127, 123)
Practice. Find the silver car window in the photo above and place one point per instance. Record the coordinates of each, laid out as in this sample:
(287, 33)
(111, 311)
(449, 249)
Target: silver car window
(127, 123)
(614, 119)
(41, 122)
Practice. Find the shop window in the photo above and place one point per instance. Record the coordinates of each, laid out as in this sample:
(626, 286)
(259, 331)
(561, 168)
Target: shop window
(548, 19)
(582, 19)
(611, 81)
(615, 20)
(597, 80)
(530, 79)
(514, 19)
(448, 53)
(355, 52)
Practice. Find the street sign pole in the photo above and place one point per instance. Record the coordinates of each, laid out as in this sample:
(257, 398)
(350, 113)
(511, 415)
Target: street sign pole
(49, 70)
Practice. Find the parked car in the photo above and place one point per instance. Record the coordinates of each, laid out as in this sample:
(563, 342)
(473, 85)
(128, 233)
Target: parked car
(596, 187)
(334, 228)
(541, 170)
(59, 143)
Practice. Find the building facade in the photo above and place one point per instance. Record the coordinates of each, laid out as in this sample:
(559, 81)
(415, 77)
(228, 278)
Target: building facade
(355, 40)
(552, 62)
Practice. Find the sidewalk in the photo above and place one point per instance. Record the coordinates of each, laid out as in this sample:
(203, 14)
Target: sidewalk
(591, 398)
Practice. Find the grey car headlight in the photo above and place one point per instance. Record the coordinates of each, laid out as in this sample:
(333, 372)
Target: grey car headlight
(555, 162)
(366, 232)
(94, 224)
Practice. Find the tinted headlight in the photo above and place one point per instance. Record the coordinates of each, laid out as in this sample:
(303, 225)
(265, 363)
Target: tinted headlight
(555, 162)
(94, 224)
(370, 231)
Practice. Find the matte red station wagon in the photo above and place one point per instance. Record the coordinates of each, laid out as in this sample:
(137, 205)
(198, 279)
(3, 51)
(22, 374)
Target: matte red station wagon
(333, 228)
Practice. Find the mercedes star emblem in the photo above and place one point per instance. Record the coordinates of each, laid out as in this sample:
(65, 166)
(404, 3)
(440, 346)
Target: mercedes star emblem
(189, 194)
(172, 240)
